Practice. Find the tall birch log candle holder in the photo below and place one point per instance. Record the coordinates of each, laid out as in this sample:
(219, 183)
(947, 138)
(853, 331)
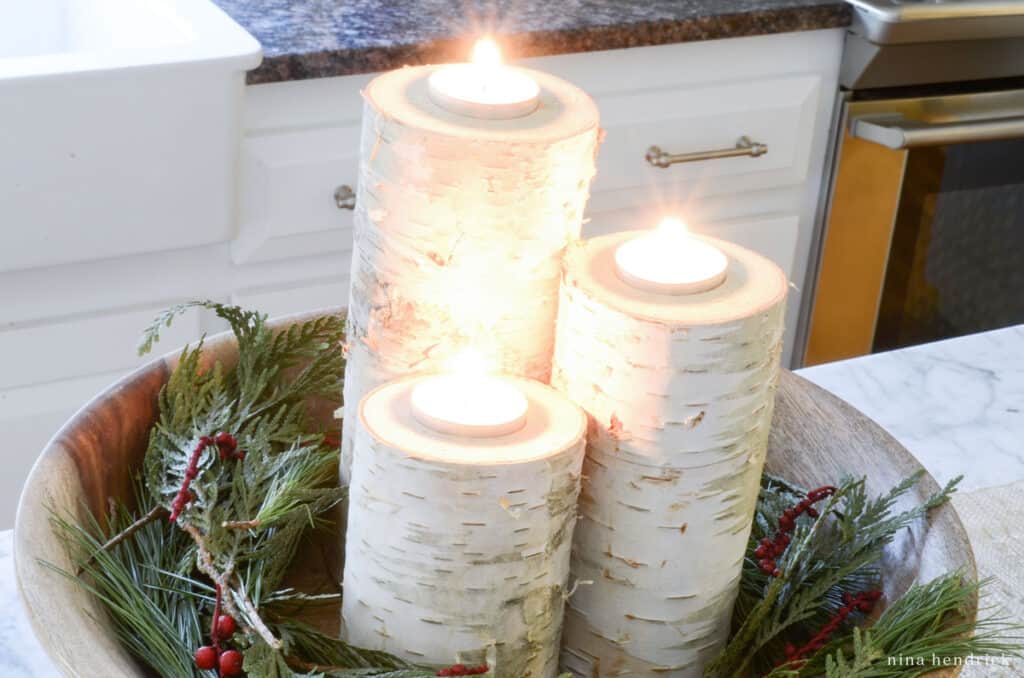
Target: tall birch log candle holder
(473, 181)
(676, 363)
(460, 522)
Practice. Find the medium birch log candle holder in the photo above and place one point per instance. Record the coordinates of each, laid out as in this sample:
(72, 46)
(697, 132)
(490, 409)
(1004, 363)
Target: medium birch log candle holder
(458, 545)
(679, 389)
(461, 223)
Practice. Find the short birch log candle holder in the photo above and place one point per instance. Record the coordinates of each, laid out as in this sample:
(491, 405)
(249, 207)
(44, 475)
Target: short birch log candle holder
(461, 222)
(458, 545)
(679, 389)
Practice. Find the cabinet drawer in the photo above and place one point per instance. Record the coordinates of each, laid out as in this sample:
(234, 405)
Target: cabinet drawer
(288, 184)
(776, 112)
(86, 346)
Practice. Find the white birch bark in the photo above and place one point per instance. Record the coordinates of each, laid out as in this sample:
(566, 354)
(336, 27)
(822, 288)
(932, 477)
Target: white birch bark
(679, 391)
(460, 229)
(458, 548)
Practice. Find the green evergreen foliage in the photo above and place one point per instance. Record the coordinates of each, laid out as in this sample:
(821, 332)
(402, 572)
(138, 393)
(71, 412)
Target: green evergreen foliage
(245, 518)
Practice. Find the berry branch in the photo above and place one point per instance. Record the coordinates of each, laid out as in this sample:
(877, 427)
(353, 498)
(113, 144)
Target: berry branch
(226, 444)
(771, 549)
(863, 602)
(191, 471)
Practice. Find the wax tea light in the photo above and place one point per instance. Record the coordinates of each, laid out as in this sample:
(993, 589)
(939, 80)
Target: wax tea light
(468, 401)
(669, 260)
(485, 87)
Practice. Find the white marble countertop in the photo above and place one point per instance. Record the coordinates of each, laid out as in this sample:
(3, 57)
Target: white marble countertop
(957, 405)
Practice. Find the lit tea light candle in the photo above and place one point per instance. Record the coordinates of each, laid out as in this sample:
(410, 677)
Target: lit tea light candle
(669, 260)
(510, 193)
(484, 88)
(679, 391)
(461, 544)
(469, 402)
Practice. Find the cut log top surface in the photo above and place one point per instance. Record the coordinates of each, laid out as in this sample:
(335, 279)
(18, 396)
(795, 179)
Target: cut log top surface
(753, 284)
(564, 110)
(553, 424)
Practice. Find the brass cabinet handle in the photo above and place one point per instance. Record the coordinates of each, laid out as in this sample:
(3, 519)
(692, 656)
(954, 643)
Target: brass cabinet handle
(744, 147)
(345, 197)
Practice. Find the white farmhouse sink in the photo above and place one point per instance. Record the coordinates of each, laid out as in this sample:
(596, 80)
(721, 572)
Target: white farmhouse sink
(119, 127)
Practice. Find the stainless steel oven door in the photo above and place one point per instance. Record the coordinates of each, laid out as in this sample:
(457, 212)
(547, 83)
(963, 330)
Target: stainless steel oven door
(924, 231)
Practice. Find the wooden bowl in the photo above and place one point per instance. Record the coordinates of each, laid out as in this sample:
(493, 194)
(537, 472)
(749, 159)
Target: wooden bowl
(816, 438)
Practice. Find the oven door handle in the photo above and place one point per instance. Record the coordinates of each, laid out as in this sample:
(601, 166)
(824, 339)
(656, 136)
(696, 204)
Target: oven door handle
(897, 132)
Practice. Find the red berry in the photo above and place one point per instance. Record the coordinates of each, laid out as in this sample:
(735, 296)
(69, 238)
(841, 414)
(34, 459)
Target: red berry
(226, 443)
(224, 438)
(226, 626)
(206, 658)
(458, 669)
(231, 663)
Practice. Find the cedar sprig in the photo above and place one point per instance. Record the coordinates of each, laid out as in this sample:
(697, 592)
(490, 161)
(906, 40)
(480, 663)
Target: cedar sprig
(286, 477)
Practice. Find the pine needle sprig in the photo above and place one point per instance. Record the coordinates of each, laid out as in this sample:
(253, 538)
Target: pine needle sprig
(143, 584)
(926, 629)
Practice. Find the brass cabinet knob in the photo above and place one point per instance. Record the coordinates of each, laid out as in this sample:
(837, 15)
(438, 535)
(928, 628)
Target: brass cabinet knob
(345, 197)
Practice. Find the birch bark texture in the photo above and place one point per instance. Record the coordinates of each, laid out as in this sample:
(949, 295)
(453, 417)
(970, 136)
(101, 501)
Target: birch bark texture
(460, 228)
(458, 548)
(679, 390)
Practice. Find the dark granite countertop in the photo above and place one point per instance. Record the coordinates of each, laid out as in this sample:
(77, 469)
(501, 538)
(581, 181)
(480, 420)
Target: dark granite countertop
(320, 38)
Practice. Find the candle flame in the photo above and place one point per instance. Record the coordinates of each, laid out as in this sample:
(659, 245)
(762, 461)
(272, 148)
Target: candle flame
(467, 364)
(673, 227)
(486, 53)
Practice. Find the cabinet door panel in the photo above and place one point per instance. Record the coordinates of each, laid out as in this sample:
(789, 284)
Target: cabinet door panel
(288, 186)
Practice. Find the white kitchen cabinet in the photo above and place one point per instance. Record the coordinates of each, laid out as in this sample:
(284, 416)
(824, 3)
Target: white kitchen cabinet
(301, 144)
(68, 330)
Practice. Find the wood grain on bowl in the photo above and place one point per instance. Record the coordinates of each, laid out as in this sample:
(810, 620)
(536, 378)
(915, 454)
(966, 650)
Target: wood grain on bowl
(816, 439)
